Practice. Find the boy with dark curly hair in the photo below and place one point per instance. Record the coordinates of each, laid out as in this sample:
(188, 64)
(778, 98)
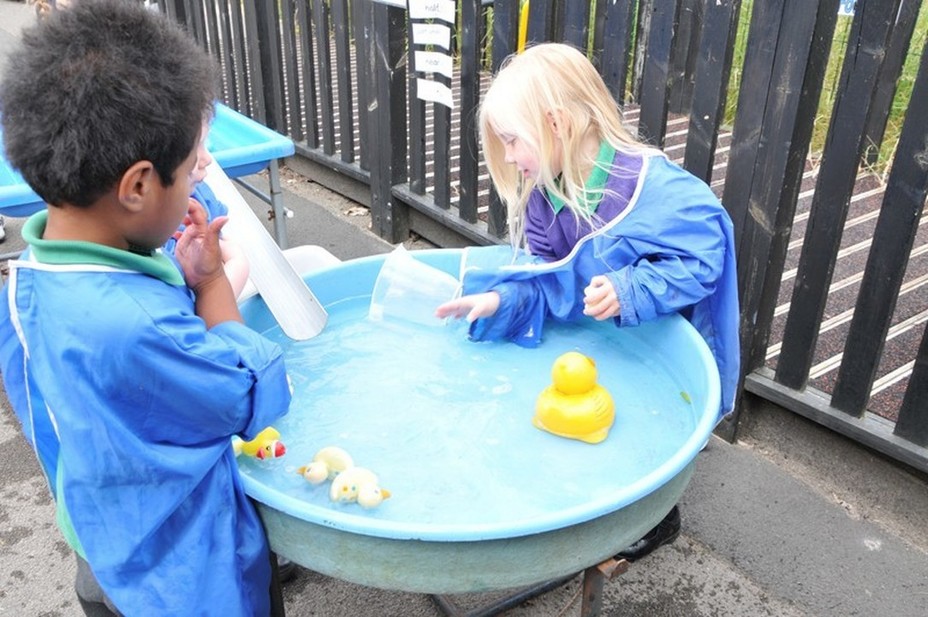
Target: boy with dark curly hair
(130, 375)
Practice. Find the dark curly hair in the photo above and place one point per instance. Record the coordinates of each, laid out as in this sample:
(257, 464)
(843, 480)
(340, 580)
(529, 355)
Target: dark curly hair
(94, 89)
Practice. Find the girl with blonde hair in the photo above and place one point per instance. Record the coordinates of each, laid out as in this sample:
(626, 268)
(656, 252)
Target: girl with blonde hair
(600, 225)
(550, 102)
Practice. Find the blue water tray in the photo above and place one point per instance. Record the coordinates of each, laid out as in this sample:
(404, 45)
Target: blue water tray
(445, 423)
(239, 144)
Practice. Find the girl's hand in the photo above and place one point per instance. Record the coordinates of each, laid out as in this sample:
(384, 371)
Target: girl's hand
(599, 299)
(235, 264)
(471, 307)
(198, 251)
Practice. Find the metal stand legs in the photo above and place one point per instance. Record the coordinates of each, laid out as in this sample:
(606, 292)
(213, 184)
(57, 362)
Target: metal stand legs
(593, 579)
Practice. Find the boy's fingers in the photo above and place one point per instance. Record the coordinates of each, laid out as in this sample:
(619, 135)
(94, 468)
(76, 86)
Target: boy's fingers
(218, 223)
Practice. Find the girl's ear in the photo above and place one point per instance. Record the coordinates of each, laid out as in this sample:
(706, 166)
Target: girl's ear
(136, 185)
(557, 123)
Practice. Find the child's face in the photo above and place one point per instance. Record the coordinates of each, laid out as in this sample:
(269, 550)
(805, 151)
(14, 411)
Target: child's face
(520, 154)
(204, 158)
(167, 205)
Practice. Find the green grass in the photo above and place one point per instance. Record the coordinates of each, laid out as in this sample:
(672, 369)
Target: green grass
(832, 74)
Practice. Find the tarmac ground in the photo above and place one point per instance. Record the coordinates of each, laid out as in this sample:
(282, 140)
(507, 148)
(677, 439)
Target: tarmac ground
(792, 520)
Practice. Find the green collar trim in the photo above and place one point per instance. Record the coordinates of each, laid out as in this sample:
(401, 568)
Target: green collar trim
(66, 252)
(595, 186)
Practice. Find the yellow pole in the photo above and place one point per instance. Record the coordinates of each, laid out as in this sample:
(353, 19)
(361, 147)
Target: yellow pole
(523, 25)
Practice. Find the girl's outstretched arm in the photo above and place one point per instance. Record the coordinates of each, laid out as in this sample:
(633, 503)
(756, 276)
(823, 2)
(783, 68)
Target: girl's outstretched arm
(471, 307)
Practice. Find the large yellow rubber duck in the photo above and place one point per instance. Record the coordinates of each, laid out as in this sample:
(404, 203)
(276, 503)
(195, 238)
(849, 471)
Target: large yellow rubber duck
(327, 463)
(575, 406)
(265, 445)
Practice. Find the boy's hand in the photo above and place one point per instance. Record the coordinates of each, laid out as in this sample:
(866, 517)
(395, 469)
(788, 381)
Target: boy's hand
(198, 251)
(599, 299)
(472, 307)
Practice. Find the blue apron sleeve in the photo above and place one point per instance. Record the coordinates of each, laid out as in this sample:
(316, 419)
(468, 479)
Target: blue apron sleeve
(531, 290)
(229, 380)
(25, 398)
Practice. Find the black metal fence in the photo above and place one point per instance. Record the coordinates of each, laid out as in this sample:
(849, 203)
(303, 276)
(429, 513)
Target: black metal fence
(338, 78)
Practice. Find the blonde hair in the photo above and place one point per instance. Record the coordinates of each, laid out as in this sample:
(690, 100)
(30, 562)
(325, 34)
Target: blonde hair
(544, 81)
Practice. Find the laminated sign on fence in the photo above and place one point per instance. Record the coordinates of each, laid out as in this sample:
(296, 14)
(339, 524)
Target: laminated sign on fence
(428, 33)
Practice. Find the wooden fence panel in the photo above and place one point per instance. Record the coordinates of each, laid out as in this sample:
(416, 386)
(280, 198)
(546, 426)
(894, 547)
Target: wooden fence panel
(710, 86)
(777, 63)
(615, 44)
(761, 294)
(388, 138)
(213, 43)
(441, 160)
(575, 23)
(506, 28)
(234, 35)
(417, 136)
(690, 15)
(540, 27)
(469, 100)
(912, 424)
(340, 31)
(307, 62)
(896, 51)
(267, 19)
(903, 203)
(655, 76)
(195, 22)
(255, 67)
(834, 186)
(326, 111)
(365, 79)
(175, 9)
(293, 111)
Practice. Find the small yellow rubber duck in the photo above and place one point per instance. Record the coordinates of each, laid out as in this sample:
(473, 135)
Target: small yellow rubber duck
(327, 463)
(575, 406)
(360, 485)
(265, 445)
(349, 483)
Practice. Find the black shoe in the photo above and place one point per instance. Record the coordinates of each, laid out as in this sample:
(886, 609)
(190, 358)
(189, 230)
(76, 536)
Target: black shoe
(665, 533)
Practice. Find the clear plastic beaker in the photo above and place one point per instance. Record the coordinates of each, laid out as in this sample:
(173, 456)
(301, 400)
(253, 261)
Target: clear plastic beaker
(410, 290)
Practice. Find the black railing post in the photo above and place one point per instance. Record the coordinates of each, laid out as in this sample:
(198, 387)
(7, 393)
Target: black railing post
(912, 424)
(506, 29)
(655, 76)
(574, 23)
(359, 23)
(896, 51)
(685, 54)
(614, 42)
(710, 86)
(540, 25)
(469, 100)
(271, 68)
(387, 106)
(176, 11)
